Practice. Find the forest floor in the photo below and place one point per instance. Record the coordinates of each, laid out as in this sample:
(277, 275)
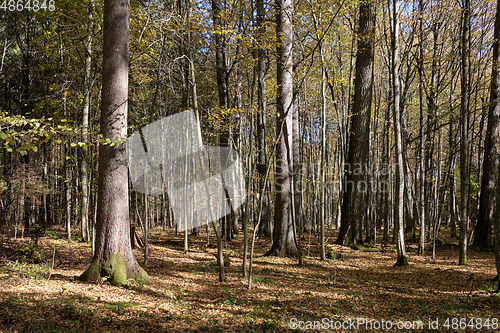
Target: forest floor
(358, 290)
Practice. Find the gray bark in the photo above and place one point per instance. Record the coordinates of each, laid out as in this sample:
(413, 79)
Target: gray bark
(113, 255)
(284, 236)
(85, 125)
(396, 113)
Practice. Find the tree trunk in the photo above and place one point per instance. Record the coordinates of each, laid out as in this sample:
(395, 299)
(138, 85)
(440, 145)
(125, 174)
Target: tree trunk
(68, 199)
(356, 177)
(284, 236)
(421, 244)
(495, 105)
(322, 166)
(400, 181)
(84, 226)
(487, 196)
(464, 140)
(223, 92)
(113, 257)
(264, 227)
(497, 207)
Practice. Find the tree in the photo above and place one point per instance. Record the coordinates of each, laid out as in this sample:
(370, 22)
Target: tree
(396, 113)
(284, 236)
(223, 92)
(495, 111)
(420, 65)
(113, 257)
(464, 132)
(487, 194)
(497, 212)
(85, 228)
(261, 68)
(356, 178)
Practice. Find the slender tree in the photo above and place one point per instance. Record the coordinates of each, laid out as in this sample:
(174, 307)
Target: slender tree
(113, 257)
(464, 132)
(396, 114)
(421, 214)
(264, 227)
(85, 228)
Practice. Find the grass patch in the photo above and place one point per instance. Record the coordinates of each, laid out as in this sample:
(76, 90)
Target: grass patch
(260, 279)
(27, 270)
(119, 307)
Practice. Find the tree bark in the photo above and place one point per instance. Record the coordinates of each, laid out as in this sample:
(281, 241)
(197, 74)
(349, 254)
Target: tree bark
(421, 244)
(322, 166)
(356, 178)
(495, 106)
(487, 197)
(223, 91)
(84, 226)
(264, 227)
(396, 113)
(284, 236)
(497, 212)
(113, 257)
(464, 139)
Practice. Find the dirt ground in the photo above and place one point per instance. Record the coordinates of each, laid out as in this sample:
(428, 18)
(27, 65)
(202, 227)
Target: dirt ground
(356, 290)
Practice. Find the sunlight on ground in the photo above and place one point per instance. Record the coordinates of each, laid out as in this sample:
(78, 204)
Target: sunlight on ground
(185, 294)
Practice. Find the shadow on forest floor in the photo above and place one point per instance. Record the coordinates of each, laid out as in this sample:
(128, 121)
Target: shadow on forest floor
(185, 294)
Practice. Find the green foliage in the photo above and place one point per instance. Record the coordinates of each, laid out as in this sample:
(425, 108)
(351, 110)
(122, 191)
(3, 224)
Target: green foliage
(28, 270)
(32, 252)
(76, 238)
(50, 234)
(474, 186)
(22, 134)
(488, 289)
(260, 279)
(119, 307)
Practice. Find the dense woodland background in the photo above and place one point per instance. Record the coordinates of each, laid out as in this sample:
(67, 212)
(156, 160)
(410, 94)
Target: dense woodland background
(363, 123)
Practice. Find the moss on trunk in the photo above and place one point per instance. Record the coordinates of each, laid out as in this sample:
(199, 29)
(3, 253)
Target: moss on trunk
(115, 269)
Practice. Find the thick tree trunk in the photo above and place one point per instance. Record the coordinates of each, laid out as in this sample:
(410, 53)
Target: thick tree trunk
(487, 196)
(356, 176)
(113, 257)
(497, 216)
(495, 105)
(284, 236)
